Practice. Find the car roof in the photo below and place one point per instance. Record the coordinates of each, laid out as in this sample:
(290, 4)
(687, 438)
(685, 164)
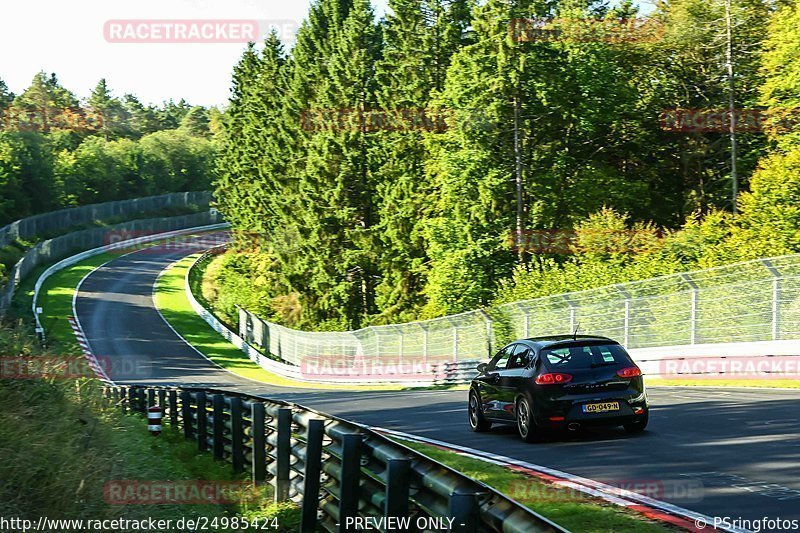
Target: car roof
(553, 340)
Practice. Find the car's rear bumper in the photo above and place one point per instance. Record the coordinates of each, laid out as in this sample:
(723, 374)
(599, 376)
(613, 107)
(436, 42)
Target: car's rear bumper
(564, 413)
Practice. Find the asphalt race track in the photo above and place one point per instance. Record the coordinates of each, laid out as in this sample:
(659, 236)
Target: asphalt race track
(741, 446)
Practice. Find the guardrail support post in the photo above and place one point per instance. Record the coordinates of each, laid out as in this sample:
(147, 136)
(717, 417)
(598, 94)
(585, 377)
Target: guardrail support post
(161, 394)
(218, 403)
(142, 400)
(350, 478)
(173, 408)
(311, 476)
(283, 453)
(202, 421)
(259, 462)
(186, 410)
(464, 511)
(397, 487)
(237, 435)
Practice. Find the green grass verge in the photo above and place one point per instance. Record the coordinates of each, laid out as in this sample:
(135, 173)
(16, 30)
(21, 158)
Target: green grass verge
(171, 300)
(570, 509)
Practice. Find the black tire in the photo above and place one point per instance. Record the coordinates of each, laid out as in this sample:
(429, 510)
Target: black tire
(638, 427)
(526, 426)
(477, 422)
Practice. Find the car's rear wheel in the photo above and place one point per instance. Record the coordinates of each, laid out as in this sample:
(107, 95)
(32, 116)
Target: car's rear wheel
(477, 422)
(525, 423)
(638, 426)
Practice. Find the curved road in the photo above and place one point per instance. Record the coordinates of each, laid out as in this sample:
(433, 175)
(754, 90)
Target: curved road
(740, 446)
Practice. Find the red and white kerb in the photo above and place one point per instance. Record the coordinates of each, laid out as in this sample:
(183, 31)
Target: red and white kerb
(154, 415)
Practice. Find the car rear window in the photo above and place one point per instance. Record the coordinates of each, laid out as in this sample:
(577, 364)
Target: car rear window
(585, 357)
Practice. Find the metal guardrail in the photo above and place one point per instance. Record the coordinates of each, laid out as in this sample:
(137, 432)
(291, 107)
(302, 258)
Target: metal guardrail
(332, 468)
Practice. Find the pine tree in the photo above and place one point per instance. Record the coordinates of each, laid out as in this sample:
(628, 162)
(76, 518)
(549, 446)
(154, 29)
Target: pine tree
(108, 112)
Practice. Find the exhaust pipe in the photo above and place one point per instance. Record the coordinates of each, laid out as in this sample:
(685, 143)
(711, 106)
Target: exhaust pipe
(574, 426)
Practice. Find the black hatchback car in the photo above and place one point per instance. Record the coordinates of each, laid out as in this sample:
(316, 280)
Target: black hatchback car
(559, 382)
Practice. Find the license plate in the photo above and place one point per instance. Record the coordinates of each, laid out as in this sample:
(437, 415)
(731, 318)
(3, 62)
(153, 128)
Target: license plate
(601, 407)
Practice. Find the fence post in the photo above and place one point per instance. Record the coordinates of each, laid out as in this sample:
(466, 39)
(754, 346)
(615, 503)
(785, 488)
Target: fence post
(350, 478)
(259, 454)
(201, 422)
(186, 410)
(397, 487)
(626, 321)
(489, 330)
(572, 314)
(464, 511)
(218, 429)
(776, 298)
(311, 476)
(455, 343)
(237, 435)
(424, 345)
(151, 398)
(400, 348)
(694, 303)
(283, 453)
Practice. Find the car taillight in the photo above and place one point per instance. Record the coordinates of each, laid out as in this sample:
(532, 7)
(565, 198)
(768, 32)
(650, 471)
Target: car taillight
(630, 372)
(553, 379)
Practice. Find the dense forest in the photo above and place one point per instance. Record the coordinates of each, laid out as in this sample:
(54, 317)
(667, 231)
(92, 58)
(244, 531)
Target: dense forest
(57, 151)
(425, 163)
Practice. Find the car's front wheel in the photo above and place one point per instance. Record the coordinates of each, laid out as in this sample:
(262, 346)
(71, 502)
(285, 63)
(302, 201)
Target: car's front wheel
(525, 423)
(477, 422)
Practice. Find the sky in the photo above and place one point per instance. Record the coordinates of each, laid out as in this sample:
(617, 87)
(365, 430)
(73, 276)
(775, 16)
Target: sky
(85, 41)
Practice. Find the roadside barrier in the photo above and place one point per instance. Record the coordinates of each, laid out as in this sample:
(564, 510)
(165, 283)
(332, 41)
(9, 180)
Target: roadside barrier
(334, 469)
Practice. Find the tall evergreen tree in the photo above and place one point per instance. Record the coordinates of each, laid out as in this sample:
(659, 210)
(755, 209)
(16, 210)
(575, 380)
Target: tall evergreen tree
(420, 37)
(107, 110)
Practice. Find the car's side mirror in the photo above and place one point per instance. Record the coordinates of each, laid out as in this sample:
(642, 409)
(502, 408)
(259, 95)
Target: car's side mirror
(482, 368)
